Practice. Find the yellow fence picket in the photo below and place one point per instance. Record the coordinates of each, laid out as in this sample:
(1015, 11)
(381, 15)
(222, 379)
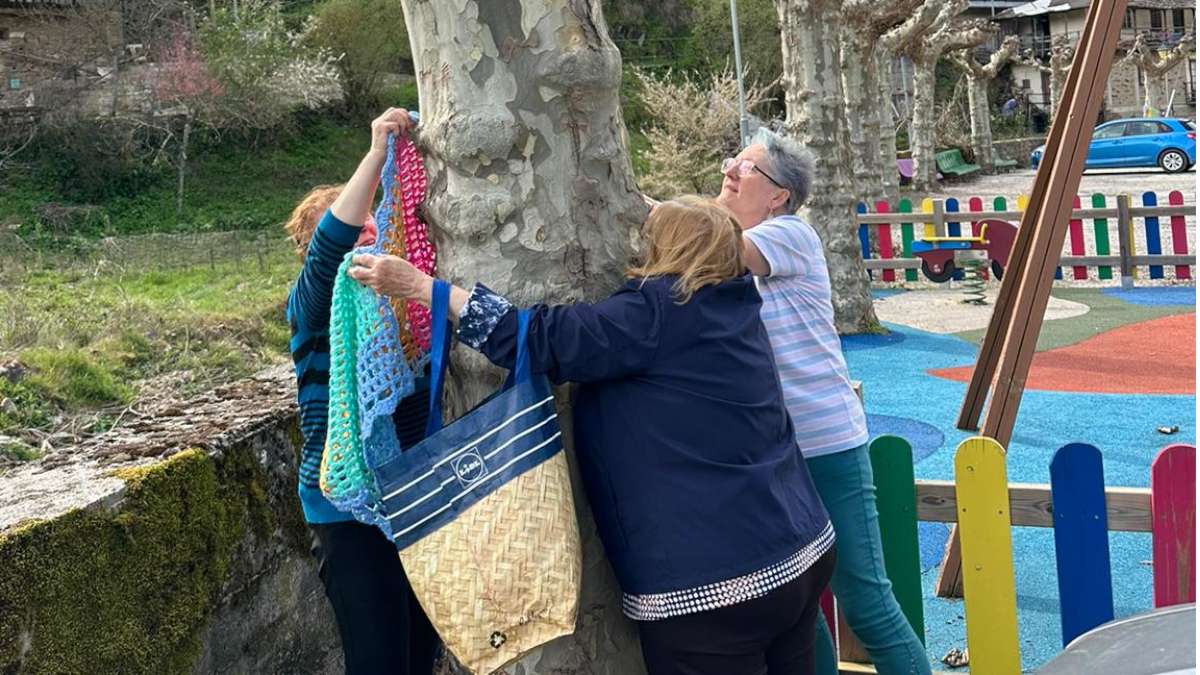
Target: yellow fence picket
(989, 584)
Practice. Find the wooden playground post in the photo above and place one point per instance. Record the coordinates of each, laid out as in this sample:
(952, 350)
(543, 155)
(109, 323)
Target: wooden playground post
(1012, 334)
(1125, 240)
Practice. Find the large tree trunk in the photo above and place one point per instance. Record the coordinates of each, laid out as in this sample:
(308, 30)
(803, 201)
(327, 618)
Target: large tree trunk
(1155, 85)
(981, 121)
(531, 192)
(862, 118)
(887, 125)
(1056, 84)
(812, 80)
(922, 135)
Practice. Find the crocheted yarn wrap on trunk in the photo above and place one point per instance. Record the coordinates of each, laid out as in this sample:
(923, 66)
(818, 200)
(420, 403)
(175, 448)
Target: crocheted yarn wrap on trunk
(376, 346)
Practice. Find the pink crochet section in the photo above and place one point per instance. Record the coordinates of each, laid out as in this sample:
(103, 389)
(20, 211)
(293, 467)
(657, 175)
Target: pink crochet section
(417, 246)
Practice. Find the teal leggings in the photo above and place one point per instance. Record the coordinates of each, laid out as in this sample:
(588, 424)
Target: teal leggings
(860, 581)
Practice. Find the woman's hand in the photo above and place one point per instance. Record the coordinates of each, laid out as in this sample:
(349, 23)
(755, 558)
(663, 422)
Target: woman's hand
(394, 121)
(392, 276)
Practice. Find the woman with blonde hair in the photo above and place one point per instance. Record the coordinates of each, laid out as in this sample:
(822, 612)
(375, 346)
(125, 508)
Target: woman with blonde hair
(687, 453)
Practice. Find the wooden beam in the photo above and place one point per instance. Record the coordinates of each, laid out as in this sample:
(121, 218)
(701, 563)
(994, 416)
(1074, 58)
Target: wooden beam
(1076, 214)
(1056, 182)
(895, 263)
(949, 583)
(1065, 261)
(1050, 213)
(1030, 505)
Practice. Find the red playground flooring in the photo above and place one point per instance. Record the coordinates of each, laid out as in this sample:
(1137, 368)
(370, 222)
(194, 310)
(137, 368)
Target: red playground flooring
(1150, 357)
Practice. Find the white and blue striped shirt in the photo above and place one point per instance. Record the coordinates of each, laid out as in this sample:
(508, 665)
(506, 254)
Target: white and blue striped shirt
(798, 313)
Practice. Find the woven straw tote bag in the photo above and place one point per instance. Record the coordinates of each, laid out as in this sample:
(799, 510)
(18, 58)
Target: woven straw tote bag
(483, 515)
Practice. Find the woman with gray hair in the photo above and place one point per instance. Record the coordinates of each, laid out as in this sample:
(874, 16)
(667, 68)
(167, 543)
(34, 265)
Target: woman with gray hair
(764, 186)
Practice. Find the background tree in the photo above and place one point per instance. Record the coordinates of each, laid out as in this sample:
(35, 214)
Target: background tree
(979, 77)
(1057, 67)
(709, 44)
(266, 69)
(686, 148)
(182, 88)
(1153, 66)
(889, 45)
(531, 191)
(864, 23)
(812, 80)
(370, 51)
(950, 32)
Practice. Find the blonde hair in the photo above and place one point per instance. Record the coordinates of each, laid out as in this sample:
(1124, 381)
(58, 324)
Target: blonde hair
(307, 214)
(693, 238)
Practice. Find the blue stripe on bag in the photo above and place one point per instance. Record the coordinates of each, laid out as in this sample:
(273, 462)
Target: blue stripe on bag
(455, 467)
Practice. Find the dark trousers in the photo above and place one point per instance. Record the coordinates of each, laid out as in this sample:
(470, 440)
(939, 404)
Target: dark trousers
(383, 628)
(771, 635)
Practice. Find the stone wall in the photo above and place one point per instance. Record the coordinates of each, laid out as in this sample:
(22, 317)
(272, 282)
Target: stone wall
(175, 545)
(1017, 149)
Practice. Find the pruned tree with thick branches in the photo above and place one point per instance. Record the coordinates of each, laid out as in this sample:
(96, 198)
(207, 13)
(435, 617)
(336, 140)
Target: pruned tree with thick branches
(1153, 66)
(812, 80)
(950, 32)
(1057, 66)
(979, 75)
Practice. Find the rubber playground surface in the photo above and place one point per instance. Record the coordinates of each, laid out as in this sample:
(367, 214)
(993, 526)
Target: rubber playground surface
(1112, 367)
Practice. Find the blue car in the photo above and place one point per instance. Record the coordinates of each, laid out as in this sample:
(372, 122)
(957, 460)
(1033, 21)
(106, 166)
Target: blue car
(1139, 141)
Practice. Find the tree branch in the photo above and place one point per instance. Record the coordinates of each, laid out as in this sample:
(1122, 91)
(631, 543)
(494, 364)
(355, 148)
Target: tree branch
(899, 38)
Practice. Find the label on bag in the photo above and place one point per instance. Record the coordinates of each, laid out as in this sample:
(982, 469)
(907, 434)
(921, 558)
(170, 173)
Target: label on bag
(469, 467)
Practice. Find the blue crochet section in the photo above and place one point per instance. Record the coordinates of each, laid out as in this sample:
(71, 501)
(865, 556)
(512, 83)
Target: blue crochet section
(384, 375)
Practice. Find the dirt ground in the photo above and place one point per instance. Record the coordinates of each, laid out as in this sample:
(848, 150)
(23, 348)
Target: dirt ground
(1105, 181)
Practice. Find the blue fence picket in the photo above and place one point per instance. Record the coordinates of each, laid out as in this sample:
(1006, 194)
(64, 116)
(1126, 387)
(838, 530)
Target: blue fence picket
(1081, 539)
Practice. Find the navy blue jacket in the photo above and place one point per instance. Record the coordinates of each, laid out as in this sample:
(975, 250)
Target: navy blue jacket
(685, 447)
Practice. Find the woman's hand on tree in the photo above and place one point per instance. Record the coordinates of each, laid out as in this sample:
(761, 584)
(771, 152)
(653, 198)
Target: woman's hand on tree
(394, 121)
(392, 276)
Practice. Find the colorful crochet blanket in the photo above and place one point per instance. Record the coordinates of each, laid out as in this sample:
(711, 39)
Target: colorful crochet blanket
(377, 345)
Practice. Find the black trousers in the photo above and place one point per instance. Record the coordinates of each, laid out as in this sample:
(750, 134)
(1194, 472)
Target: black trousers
(771, 635)
(382, 625)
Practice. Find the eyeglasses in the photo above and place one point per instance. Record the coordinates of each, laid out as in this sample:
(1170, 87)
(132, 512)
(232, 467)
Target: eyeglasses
(745, 167)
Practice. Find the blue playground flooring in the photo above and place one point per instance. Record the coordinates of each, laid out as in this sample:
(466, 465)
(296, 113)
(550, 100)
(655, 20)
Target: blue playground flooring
(902, 399)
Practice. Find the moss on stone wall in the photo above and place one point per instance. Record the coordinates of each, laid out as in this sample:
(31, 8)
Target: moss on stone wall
(129, 590)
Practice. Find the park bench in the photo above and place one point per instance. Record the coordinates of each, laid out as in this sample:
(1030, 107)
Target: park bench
(1004, 164)
(951, 162)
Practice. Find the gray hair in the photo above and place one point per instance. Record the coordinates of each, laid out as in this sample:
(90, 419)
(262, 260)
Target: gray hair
(789, 163)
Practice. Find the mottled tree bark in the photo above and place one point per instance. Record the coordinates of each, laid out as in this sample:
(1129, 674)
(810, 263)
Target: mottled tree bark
(863, 112)
(949, 32)
(531, 192)
(814, 96)
(1154, 66)
(887, 123)
(868, 101)
(1058, 66)
(922, 138)
(894, 41)
(979, 75)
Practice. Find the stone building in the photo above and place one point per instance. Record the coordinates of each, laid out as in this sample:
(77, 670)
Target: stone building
(1164, 22)
(56, 53)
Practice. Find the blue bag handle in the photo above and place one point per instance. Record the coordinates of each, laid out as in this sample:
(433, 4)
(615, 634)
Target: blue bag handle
(439, 353)
(521, 370)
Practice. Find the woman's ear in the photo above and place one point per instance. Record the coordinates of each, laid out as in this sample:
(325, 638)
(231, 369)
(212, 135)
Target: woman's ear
(780, 199)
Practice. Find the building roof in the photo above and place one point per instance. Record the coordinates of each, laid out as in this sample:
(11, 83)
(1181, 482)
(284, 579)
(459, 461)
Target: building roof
(1040, 7)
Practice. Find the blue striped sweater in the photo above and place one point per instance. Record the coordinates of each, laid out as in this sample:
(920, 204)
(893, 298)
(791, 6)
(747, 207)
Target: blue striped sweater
(308, 309)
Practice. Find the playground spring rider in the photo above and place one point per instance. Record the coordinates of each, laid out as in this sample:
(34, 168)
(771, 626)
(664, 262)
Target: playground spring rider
(942, 256)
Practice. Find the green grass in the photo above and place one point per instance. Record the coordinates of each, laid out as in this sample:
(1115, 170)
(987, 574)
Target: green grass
(1104, 314)
(638, 145)
(91, 342)
(229, 186)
